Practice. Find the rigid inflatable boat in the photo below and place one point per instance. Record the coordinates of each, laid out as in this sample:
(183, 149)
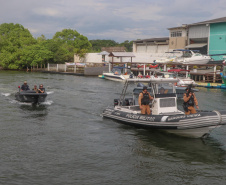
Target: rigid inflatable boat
(30, 96)
(165, 114)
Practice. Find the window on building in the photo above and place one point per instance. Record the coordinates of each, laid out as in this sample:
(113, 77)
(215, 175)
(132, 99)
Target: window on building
(176, 34)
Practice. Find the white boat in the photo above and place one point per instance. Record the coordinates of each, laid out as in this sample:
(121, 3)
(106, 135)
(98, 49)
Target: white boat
(192, 57)
(118, 74)
(166, 60)
(182, 81)
(165, 114)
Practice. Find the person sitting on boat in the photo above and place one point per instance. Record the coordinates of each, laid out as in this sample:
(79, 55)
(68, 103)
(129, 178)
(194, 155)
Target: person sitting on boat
(41, 89)
(144, 100)
(190, 101)
(35, 88)
(25, 87)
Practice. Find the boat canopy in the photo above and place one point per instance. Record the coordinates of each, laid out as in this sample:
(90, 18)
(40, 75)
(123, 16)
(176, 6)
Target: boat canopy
(177, 70)
(153, 80)
(185, 50)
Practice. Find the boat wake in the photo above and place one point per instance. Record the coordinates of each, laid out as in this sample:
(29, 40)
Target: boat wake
(20, 103)
(50, 92)
(28, 103)
(6, 94)
(47, 102)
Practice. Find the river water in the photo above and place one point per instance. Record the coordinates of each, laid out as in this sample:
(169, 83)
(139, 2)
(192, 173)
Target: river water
(66, 141)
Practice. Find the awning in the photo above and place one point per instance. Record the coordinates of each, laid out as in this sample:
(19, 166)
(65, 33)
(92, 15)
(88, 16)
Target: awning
(197, 45)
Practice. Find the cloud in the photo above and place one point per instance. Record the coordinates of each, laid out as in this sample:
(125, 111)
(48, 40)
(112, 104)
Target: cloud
(103, 19)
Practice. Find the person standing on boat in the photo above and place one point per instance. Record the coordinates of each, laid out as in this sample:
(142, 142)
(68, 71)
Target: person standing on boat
(25, 87)
(144, 100)
(190, 101)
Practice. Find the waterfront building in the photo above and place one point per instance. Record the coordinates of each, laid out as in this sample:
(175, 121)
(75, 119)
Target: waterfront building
(178, 37)
(209, 37)
(153, 45)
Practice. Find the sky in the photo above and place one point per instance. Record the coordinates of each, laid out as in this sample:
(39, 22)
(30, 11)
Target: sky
(117, 20)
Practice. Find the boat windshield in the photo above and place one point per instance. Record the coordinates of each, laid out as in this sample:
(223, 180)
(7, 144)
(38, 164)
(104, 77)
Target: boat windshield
(120, 71)
(116, 71)
(186, 55)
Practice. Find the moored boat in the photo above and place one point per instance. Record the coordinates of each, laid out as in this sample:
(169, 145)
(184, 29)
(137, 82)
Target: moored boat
(192, 57)
(165, 114)
(118, 74)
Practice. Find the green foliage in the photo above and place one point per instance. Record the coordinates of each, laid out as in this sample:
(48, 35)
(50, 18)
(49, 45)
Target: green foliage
(14, 39)
(128, 45)
(70, 42)
(18, 48)
(98, 44)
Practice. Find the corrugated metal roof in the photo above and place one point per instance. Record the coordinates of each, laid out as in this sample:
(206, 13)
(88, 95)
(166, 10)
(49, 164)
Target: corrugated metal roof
(222, 19)
(152, 39)
(197, 45)
(121, 54)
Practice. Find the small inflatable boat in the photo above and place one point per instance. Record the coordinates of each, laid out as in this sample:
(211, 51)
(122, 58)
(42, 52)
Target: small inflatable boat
(165, 114)
(30, 96)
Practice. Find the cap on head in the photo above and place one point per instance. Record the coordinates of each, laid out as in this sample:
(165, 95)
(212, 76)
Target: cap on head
(145, 87)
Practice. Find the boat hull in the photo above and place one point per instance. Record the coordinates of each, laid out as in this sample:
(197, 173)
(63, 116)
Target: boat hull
(113, 77)
(195, 125)
(30, 97)
(194, 61)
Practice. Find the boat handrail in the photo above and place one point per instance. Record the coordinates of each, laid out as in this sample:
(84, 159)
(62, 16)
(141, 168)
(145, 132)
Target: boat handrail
(168, 95)
(152, 80)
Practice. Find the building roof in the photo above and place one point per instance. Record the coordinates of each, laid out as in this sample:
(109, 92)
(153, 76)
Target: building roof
(121, 54)
(152, 39)
(184, 26)
(222, 19)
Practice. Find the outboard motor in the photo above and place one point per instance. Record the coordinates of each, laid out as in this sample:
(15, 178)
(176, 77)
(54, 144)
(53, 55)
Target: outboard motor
(128, 102)
(116, 102)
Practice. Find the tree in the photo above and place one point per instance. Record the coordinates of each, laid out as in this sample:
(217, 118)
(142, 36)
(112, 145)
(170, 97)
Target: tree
(70, 43)
(98, 44)
(14, 38)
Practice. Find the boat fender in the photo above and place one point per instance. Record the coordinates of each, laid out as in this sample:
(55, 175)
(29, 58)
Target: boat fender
(219, 116)
(164, 118)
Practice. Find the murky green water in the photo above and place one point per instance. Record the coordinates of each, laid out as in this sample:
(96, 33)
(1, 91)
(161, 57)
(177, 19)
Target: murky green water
(66, 141)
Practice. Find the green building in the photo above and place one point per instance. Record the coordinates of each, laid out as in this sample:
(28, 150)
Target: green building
(217, 40)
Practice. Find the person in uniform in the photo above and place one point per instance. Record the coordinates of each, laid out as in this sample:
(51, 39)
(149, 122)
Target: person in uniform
(25, 87)
(190, 101)
(41, 89)
(144, 100)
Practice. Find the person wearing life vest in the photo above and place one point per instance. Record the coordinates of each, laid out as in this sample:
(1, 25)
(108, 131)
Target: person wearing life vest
(144, 100)
(190, 101)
